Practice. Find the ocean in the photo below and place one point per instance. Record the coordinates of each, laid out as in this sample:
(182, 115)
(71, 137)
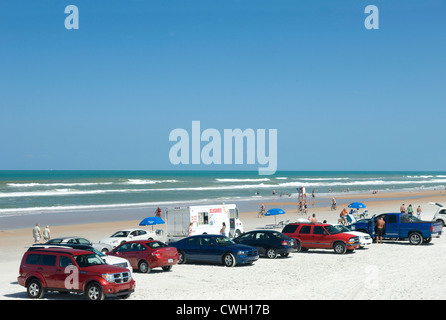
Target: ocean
(30, 192)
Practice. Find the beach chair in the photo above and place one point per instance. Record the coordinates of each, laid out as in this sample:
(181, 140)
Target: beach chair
(350, 219)
(280, 224)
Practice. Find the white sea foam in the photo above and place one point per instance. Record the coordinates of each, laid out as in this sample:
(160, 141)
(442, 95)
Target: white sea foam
(242, 180)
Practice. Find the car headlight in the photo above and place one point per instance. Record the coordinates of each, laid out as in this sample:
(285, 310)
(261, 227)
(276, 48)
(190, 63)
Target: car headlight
(241, 253)
(108, 277)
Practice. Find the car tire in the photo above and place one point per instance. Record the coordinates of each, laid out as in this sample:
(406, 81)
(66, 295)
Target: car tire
(229, 260)
(415, 238)
(94, 292)
(35, 289)
(298, 246)
(167, 268)
(105, 250)
(144, 266)
(181, 257)
(339, 247)
(285, 254)
(271, 253)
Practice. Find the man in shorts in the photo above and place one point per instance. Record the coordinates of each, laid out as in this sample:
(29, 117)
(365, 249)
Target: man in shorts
(379, 230)
(36, 233)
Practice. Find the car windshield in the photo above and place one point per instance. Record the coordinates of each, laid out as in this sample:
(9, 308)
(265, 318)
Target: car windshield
(224, 241)
(279, 235)
(341, 228)
(121, 234)
(332, 229)
(88, 260)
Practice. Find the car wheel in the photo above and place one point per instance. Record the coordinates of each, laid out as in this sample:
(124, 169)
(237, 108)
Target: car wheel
(271, 253)
(415, 238)
(35, 289)
(298, 246)
(229, 260)
(181, 257)
(105, 250)
(94, 292)
(340, 247)
(167, 268)
(143, 266)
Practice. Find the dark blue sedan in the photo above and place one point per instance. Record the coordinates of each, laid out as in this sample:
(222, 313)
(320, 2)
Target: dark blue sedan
(214, 249)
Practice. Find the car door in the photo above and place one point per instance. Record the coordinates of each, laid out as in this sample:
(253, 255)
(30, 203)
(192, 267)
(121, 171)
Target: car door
(192, 248)
(141, 235)
(320, 237)
(209, 251)
(123, 251)
(304, 236)
(261, 242)
(391, 229)
(67, 273)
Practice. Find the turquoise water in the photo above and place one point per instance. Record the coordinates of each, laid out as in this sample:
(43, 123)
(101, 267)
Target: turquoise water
(40, 191)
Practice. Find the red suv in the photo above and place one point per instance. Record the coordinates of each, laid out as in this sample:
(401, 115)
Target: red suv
(72, 270)
(320, 236)
(145, 255)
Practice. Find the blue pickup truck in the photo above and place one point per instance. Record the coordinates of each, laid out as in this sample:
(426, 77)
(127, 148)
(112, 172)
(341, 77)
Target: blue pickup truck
(401, 226)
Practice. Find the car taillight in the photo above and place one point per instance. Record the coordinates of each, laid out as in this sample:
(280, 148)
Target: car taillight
(156, 254)
(432, 228)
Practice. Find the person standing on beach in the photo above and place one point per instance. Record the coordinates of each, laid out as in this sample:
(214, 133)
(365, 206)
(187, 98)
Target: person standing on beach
(403, 208)
(223, 229)
(158, 212)
(380, 224)
(410, 209)
(36, 233)
(46, 234)
(261, 211)
(343, 215)
(419, 212)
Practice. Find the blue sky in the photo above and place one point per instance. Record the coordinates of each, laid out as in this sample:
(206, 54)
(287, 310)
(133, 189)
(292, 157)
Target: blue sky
(107, 96)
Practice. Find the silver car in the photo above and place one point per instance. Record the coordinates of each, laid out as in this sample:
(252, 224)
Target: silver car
(103, 247)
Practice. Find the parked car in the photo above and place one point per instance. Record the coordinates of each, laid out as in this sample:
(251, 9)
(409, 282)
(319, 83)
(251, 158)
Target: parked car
(401, 227)
(146, 255)
(269, 243)
(320, 236)
(126, 235)
(103, 247)
(72, 270)
(115, 261)
(440, 215)
(364, 238)
(214, 249)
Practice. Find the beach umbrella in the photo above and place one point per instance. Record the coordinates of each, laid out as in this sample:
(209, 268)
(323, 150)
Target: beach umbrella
(150, 221)
(274, 212)
(357, 205)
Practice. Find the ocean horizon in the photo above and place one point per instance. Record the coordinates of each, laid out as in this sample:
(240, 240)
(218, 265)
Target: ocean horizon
(39, 191)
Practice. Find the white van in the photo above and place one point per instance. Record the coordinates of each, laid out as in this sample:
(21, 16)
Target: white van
(206, 219)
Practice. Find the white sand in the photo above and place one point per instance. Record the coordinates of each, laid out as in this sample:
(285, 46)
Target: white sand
(393, 270)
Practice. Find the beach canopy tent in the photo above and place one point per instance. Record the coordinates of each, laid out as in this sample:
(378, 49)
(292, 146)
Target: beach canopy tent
(357, 205)
(274, 212)
(150, 221)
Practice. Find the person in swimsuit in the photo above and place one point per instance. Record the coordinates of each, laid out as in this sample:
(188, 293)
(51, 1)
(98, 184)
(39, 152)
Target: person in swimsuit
(380, 230)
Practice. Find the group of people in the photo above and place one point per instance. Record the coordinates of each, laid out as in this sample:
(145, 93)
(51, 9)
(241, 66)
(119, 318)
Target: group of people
(37, 235)
(409, 210)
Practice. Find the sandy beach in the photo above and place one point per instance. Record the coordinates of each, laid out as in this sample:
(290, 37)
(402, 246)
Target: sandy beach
(393, 270)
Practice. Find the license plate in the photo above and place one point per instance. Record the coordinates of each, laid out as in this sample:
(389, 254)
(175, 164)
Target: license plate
(170, 260)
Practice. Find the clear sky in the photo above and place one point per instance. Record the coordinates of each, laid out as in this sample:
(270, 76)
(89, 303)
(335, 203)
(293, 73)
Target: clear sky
(106, 96)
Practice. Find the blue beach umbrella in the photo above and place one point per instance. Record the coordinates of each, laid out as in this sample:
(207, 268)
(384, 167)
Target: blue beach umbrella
(357, 205)
(274, 212)
(150, 221)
